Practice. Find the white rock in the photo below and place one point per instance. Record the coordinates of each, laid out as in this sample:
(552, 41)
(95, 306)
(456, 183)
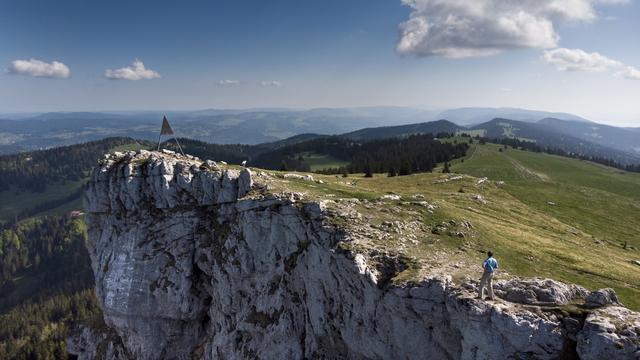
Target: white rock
(479, 199)
(610, 333)
(390, 197)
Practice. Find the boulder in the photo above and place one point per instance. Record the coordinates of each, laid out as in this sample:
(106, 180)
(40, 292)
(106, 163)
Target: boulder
(390, 197)
(479, 199)
(539, 291)
(610, 333)
(601, 298)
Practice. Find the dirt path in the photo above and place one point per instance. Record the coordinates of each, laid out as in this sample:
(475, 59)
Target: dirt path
(528, 173)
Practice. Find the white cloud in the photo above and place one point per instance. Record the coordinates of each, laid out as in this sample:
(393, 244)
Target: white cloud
(609, 2)
(38, 68)
(228, 82)
(630, 72)
(471, 28)
(271, 83)
(578, 60)
(136, 71)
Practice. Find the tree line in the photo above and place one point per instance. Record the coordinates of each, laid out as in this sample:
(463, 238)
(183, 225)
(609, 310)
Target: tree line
(412, 154)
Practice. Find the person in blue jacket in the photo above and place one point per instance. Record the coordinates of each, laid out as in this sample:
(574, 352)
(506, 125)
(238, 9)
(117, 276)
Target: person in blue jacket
(489, 265)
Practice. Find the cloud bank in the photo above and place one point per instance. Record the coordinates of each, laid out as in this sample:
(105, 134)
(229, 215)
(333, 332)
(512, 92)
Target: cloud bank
(38, 68)
(270, 83)
(629, 72)
(579, 60)
(136, 71)
(228, 82)
(472, 28)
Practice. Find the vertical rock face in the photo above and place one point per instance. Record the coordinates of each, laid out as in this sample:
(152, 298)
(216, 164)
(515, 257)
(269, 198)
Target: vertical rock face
(191, 261)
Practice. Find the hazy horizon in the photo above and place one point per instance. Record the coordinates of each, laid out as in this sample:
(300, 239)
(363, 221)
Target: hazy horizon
(432, 113)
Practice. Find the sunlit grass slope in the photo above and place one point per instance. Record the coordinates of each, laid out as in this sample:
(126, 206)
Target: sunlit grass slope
(599, 205)
(552, 217)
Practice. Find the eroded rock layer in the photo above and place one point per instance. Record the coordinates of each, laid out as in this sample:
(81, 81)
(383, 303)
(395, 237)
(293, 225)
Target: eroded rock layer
(193, 261)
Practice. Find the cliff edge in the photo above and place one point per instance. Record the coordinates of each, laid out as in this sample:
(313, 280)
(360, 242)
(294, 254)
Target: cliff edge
(194, 259)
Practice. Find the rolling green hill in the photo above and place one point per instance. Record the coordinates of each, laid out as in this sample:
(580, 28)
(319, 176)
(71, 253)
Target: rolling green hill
(600, 207)
(548, 134)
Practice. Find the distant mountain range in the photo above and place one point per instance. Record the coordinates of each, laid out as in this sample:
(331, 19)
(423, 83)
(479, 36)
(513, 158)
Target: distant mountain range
(433, 127)
(625, 139)
(280, 127)
(547, 133)
(477, 115)
(214, 126)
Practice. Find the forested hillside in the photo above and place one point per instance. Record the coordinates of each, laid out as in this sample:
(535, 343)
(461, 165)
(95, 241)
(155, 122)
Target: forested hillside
(45, 286)
(35, 170)
(433, 127)
(50, 181)
(415, 153)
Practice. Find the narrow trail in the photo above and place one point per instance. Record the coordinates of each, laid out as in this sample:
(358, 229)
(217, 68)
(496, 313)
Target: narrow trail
(475, 150)
(526, 172)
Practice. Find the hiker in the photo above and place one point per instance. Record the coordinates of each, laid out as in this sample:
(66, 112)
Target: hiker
(490, 265)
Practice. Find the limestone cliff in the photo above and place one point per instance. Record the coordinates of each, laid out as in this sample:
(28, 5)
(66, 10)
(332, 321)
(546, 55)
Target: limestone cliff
(195, 261)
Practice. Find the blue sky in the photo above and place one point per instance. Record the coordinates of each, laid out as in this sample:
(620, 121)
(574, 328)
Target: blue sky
(538, 54)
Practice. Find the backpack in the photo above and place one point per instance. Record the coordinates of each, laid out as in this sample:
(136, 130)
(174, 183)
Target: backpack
(489, 265)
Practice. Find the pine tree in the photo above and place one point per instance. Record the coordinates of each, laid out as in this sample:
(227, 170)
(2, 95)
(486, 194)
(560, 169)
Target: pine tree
(446, 169)
(283, 166)
(367, 170)
(392, 171)
(405, 169)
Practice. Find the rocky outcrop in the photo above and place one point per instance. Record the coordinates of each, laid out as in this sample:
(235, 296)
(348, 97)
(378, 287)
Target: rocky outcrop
(193, 261)
(539, 292)
(601, 298)
(610, 333)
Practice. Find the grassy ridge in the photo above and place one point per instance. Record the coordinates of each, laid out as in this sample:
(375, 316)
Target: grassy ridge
(579, 239)
(599, 207)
